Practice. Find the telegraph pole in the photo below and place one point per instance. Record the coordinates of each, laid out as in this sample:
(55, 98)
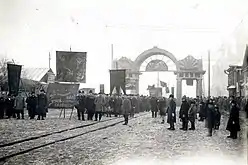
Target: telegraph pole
(209, 73)
(49, 60)
(112, 56)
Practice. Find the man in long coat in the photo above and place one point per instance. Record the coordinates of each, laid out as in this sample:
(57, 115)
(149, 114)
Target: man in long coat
(31, 105)
(210, 116)
(134, 104)
(81, 103)
(154, 106)
(171, 110)
(90, 105)
(183, 114)
(99, 102)
(42, 104)
(126, 109)
(19, 105)
(192, 114)
(162, 108)
(233, 124)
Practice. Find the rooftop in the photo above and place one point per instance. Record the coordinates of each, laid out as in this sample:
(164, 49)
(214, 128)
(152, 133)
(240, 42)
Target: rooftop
(35, 74)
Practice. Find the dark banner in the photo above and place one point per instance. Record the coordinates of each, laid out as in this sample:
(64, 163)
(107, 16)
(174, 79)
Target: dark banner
(156, 92)
(189, 82)
(71, 66)
(173, 90)
(14, 74)
(101, 88)
(118, 81)
(62, 95)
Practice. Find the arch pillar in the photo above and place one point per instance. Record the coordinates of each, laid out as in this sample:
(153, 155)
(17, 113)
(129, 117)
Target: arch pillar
(179, 89)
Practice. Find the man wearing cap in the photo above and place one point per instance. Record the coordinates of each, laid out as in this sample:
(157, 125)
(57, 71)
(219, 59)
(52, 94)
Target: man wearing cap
(171, 110)
(31, 105)
(183, 113)
(210, 117)
(42, 105)
(126, 108)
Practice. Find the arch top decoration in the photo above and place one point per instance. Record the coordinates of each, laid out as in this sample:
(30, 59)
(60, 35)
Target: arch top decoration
(154, 51)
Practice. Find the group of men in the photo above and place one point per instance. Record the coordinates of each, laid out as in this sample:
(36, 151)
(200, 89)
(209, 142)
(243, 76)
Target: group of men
(208, 110)
(102, 104)
(12, 106)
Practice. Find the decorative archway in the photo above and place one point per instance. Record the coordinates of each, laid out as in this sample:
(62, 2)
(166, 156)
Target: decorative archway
(188, 69)
(151, 52)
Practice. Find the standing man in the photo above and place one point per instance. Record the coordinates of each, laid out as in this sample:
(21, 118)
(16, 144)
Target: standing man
(80, 105)
(31, 105)
(171, 110)
(210, 116)
(154, 106)
(134, 104)
(233, 124)
(2, 106)
(19, 105)
(192, 114)
(42, 105)
(183, 113)
(90, 105)
(99, 102)
(126, 109)
(162, 108)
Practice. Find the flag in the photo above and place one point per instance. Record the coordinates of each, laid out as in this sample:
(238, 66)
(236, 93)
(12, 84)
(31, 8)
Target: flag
(163, 84)
(14, 74)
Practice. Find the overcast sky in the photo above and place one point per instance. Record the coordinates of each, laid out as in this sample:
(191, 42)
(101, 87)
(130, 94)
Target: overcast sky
(30, 29)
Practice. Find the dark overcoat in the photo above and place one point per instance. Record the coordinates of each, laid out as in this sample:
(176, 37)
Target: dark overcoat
(126, 106)
(162, 107)
(154, 104)
(184, 110)
(233, 121)
(42, 104)
(210, 115)
(171, 110)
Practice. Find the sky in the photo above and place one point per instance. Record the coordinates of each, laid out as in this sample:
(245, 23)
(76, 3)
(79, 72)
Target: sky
(30, 29)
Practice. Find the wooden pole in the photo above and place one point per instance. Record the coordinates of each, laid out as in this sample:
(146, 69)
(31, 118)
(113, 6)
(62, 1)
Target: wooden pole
(49, 61)
(112, 56)
(209, 73)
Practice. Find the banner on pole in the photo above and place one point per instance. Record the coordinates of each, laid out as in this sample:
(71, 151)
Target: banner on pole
(71, 66)
(14, 74)
(101, 88)
(189, 82)
(118, 81)
(62, 95)
(173, 90)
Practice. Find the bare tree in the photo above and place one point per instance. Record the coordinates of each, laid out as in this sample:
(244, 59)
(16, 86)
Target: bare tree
(3, 72)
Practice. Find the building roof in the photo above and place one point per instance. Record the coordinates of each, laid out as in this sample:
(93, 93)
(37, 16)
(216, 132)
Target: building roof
(35, 74)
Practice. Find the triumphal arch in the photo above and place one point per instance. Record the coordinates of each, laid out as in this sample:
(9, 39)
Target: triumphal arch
(188, 69)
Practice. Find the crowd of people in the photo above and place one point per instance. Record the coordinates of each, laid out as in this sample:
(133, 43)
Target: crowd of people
(97, 105)
(12, 106)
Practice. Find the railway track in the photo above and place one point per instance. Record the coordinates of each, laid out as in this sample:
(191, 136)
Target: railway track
(40, 145)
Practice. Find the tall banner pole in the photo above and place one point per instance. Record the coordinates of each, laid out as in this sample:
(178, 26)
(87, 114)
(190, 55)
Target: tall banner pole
(157, 79)
(112, 56)
(208, 73)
